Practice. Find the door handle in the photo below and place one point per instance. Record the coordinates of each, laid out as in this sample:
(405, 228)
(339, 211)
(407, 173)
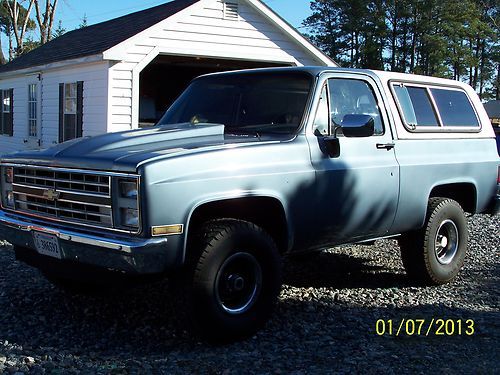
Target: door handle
(385, 146)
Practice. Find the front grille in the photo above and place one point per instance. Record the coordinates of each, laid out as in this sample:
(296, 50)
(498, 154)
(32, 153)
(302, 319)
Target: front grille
(71, 196)
(62, 180)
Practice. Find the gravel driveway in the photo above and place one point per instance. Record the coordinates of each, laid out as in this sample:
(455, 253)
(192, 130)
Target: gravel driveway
(325, 321)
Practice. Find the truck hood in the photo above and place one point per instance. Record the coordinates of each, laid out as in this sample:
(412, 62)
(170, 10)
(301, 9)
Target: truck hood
(125, 151)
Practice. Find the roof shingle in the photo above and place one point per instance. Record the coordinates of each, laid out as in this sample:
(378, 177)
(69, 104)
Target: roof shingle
(96, 38)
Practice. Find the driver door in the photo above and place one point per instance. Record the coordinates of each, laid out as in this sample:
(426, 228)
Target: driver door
(362, 184)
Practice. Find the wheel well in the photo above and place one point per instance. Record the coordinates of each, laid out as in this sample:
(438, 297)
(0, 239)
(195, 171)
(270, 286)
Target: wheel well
(464, 193)
(267, 213)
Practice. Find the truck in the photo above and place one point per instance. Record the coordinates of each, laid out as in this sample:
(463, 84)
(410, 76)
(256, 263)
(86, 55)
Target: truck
(251, 166)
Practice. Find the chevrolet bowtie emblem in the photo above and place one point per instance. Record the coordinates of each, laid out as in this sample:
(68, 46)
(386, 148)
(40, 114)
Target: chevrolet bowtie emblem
(51, 194)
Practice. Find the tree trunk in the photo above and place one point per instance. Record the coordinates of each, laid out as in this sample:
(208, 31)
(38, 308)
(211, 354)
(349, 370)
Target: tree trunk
(481, 67)
(19, 27)
(497, 93)
(11, 44)
(2, 57)
(45, 20)
(394, 36)
(476, 67)
(414, 40)
(404, 46)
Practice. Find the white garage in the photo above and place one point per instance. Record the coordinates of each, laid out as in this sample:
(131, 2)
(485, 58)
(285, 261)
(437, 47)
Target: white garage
(123, 73)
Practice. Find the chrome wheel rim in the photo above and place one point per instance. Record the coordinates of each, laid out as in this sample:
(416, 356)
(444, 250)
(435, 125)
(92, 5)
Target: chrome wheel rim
(446, 242)
(238, 283)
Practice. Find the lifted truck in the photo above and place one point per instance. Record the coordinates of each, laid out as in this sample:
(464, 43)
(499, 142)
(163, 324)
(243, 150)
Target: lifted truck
(248, 166)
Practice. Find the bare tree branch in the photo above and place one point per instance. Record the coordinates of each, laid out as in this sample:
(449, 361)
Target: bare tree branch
(45, 19)
(19, 30)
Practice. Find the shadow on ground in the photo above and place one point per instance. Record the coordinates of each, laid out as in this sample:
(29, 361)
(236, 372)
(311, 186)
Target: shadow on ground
(130, 327)
(334, 270)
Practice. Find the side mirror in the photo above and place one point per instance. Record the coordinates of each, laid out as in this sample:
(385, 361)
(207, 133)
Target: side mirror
(329, 145)
(358, 126)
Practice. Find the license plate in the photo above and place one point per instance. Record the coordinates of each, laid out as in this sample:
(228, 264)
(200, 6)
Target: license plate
(47, 244)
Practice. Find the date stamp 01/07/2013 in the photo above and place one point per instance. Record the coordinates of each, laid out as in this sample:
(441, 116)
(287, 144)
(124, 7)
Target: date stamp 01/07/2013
(425, 327)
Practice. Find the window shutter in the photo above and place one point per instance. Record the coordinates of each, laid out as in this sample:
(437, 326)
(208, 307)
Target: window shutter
(79, 109)
(61, 112)
(10, 125)
(2, 121)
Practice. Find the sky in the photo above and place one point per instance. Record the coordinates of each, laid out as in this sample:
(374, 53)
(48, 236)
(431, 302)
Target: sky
(72, 12)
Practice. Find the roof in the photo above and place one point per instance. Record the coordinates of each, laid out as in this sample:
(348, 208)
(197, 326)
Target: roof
(493, 109)
(96, 38)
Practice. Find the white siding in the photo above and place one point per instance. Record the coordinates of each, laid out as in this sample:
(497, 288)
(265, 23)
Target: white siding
(200, 32)
(95, 99)
(20, 107)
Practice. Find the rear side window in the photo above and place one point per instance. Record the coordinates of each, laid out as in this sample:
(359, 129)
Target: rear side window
(436, 108)
(416, 106)
(454, 108)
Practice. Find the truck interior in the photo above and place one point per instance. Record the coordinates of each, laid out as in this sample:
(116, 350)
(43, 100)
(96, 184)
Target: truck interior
(166, 77)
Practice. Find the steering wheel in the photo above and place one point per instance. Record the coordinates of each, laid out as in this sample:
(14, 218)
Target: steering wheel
(198, 118)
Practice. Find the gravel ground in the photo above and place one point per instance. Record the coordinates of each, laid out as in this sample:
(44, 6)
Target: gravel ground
(324, 323)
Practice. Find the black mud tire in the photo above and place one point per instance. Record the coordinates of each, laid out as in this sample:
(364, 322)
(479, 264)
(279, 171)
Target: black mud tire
(226, 255)
(435, 254)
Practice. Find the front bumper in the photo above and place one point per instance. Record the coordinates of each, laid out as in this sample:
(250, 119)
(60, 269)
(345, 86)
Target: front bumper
(134, 256)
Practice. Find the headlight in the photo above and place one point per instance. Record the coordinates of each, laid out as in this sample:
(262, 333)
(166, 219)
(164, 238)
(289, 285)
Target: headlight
(10, 199)
(129, 217)
(9, 175)
(128, 188)
(6, 179)
(126, 203)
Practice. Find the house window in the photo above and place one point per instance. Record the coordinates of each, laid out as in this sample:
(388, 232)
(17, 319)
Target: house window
(70, 110)
(7, 112)
(33, 110)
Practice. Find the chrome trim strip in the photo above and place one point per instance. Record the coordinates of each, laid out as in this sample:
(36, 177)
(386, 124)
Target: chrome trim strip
(106, 185)
(62, 200)
(68, 170)
(77, 192)
(119, 245)
(70, 210)
(53, 219)
(434, 107)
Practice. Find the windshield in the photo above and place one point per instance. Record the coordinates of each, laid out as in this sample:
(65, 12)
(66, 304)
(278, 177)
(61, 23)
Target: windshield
(251, 103)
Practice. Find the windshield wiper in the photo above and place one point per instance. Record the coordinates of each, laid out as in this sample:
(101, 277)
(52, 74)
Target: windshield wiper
(242, 132)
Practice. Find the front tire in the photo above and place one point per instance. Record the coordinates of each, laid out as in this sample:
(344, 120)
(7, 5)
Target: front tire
(436, 253)
(232, 282)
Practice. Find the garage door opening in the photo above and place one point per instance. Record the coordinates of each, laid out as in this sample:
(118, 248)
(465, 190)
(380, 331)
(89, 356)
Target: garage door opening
(162, 81)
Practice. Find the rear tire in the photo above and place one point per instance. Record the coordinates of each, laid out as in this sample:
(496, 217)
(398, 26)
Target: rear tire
(232, 280)
(435, 254)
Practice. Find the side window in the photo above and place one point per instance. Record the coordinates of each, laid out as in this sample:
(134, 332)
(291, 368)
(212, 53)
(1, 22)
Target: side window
(70, 111)
(321, 124)
(416, 106)
(349, 97)
(6, 120)
(454, 107)
(32, 110)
